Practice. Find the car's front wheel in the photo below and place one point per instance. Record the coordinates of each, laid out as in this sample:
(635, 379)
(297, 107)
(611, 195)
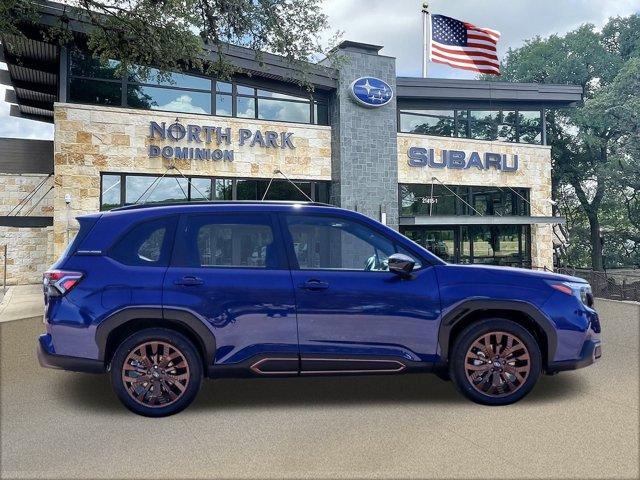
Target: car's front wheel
(495, 362)
(156, 372)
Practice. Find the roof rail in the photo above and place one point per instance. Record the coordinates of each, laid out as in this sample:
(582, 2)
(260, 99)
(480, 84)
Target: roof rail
(138, 206)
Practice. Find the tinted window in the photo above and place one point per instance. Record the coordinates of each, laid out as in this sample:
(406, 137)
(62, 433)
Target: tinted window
(146, 244)
(157, 98)
(95, 92)
(282, 110)
(152, 75)
(428, 122)
(328, 243)
(228, 241)
(110, 192)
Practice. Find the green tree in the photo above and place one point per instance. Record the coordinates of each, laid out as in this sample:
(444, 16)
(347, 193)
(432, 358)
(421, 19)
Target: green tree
(594, 146)
(172, 35)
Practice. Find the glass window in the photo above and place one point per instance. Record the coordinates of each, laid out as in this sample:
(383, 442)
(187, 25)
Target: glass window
(110, 192)
(328, 243)
(200, 189)
(462, 119)
(245, 107)
(484, 125)
(223, 189)
(418, 200)
(83, 64)
(152, 75)
(228, 241)
(321, 113)
(454, 199)
(157, 98)
(529, 127)
(283, 190)
(95, 92)
(224, 105)
(146, 244)
(224, 87)
(428, 122)
(322, 192)
(506, 124)
(440, 242)
(283, 111)
(148, 189)
(242, 90)
(496, 245)
(246, 190)
(267, 93)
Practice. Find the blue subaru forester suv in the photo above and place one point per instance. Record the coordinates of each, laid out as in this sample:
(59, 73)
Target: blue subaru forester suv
(161, 296)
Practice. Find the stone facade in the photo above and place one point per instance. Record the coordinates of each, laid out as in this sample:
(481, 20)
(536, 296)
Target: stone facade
(534, 173)
(15, 188)
(29, 253)
(365, 176)
(29, 250)
(89, 140)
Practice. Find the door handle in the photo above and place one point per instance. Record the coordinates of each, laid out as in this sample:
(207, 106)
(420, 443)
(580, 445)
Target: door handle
(189, 280)
(314, 285)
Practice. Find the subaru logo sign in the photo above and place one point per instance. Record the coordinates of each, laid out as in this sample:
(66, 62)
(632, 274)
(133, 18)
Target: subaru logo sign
(371, 92)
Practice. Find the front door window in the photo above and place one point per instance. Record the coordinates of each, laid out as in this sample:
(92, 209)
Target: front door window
(331, 243)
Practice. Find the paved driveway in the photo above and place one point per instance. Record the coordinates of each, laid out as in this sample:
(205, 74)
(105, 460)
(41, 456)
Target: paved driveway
(581, 424)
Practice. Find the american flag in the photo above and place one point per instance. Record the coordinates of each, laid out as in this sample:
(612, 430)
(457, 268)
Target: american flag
(463, 45)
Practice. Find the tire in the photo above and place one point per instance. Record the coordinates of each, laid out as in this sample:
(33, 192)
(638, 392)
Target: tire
(156, 359)
(506, 378)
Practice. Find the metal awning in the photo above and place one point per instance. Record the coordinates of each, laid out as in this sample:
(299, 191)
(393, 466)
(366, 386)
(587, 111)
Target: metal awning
(480, 220)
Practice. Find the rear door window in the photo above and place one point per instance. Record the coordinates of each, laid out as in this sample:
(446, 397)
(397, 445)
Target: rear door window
(223, 240)
(146, 244)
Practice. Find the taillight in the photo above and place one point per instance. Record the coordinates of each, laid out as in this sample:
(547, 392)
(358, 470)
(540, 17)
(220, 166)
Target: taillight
(60, 282)
(561, 287)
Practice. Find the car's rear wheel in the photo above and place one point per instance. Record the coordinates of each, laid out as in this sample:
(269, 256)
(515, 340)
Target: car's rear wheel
(156, 372)
(495, 362)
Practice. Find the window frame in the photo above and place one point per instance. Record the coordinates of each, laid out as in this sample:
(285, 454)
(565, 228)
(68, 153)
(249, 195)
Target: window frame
(168, 242)
(180, 241)
(315, 185)
(125, 82)
(464, 127)
(293, 259)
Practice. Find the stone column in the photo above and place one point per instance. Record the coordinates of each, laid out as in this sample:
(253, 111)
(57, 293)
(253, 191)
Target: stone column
(364, 161)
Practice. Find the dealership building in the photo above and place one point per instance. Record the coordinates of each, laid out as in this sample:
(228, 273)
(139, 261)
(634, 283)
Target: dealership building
(460, 166)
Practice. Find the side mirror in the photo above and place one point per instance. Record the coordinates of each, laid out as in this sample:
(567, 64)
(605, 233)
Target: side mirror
(401, 264)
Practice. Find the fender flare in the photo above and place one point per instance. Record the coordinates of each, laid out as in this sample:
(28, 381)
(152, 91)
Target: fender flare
(184, 317)
(467, 307)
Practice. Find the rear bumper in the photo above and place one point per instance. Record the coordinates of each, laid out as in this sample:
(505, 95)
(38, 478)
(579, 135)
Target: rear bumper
(591, 352)
(48, 358)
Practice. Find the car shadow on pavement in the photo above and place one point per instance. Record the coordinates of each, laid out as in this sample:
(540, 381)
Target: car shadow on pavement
(94, 391)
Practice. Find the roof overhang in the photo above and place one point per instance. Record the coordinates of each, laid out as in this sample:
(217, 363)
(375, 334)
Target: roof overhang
(480, 220)
(32, 71)
(467, 93)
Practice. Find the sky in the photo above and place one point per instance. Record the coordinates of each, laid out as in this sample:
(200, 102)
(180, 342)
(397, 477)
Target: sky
(397, 25)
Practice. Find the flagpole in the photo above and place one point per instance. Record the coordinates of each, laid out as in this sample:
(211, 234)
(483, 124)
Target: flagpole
(426, 37)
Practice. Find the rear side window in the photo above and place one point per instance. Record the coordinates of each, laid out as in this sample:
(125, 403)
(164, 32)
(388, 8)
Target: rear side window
(146, 244)
(227, 241)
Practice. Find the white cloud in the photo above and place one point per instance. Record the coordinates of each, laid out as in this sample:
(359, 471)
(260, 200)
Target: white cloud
(184, 103)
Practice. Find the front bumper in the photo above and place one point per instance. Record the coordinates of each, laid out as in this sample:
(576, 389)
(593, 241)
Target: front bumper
(591, 352)
(49, 359)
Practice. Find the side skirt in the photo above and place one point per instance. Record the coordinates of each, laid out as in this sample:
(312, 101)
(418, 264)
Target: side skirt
(284, 366)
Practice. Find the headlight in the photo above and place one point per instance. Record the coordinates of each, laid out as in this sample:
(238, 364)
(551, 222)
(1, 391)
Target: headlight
(581, 290)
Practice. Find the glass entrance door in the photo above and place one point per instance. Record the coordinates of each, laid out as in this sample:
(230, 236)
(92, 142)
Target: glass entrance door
(508, 245)
(442, 242)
